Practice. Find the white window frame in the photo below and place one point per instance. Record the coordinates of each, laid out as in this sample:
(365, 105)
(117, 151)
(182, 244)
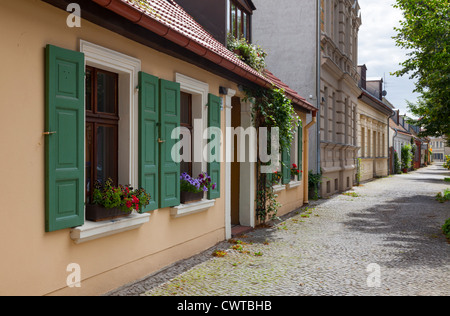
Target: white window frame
(199, 91)
(128, 69)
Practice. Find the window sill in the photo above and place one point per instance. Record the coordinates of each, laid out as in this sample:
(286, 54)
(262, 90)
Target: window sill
(192, 208)
(278, 188)
(294, 184)
(95, 230)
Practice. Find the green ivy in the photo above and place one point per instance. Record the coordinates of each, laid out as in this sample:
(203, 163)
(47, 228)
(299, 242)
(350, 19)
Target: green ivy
(271, 108)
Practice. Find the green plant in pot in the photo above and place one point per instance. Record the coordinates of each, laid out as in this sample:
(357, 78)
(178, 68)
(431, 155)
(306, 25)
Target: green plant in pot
(295, 171)
(109, 202)
(193, 189)
(252, 55)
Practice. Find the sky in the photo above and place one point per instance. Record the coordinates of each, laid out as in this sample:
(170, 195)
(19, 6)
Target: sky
(377, 50)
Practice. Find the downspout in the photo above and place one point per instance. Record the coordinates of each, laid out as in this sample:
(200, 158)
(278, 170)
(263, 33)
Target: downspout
(388, 161)
(318, 75)
(306, 155)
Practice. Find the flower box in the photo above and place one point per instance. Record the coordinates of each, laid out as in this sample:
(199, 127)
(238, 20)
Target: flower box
(110, 202)
(190, 197)
(98, 213)
(193, 189)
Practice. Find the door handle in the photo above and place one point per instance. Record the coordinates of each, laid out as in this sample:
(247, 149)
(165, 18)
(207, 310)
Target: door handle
(49, 133)
(161, 141)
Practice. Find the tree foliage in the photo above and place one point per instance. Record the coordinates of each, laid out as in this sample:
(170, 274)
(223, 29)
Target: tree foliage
(425, 33)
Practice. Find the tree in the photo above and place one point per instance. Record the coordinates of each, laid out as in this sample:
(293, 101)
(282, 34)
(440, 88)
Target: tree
(425, 33)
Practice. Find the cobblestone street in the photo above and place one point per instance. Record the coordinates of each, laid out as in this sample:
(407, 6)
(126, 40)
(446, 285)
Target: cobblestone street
(332, 247)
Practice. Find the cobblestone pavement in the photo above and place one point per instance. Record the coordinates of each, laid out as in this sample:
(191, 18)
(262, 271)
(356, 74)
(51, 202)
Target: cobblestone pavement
(384, 240)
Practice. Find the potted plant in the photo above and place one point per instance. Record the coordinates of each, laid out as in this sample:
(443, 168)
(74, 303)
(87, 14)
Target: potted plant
(294, 171)
(252, 55)
(109, 202)
(193, 189)
(276, 178)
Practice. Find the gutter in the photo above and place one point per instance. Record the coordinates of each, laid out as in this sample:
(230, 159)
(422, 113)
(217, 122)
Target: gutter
(318, 76)
(140, 18)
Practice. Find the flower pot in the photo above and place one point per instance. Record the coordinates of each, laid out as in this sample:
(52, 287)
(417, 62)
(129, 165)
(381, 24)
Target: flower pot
(405, 170)
(190, 197)
(98, 213)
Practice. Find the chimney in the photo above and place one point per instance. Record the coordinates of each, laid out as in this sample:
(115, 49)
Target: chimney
(398, 117)
(381, 90)
(362, 72)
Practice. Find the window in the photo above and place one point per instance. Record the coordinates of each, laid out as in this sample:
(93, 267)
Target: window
(363, 142)
(102, 123)
(325, 114)
(239, 21)
(194, 120)
(187, 129)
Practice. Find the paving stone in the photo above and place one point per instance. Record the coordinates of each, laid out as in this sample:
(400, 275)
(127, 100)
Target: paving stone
(394, 222)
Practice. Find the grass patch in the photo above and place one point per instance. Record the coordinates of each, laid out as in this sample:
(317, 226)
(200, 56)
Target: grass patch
(446, 229)
(352, 194)
(443, 197)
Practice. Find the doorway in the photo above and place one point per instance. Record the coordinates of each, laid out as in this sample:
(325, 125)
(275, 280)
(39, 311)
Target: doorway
(242, 178)
(235, 165)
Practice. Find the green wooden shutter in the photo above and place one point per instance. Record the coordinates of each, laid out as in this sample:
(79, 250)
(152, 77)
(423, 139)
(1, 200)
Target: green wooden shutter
(300, 151)
(286, 166)
(148, 138)
(169, 172)
(64, 146)
(214, 120)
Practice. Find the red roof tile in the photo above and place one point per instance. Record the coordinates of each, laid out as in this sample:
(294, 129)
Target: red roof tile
(167, 19)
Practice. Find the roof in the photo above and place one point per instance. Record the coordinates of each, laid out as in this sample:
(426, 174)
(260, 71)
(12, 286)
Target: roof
(400, 129)
(169, 20)
(380, 105)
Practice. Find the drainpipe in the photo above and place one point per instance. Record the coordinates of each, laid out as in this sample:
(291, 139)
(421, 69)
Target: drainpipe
(318, 74)
(306, 155)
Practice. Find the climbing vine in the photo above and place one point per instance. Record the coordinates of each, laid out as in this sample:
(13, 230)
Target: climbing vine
(271, 108)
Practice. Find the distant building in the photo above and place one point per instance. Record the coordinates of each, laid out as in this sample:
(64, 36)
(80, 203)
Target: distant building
(313, 47)
(373, 131)
(440, 148)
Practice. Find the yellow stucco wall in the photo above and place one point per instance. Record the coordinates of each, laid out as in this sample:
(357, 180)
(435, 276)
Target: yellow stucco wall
(34, 262)
(374, 161)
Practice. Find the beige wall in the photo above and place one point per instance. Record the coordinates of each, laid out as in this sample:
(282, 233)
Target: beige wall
(291, 197)
(338, 128)
(34, 262)
(372, 141)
